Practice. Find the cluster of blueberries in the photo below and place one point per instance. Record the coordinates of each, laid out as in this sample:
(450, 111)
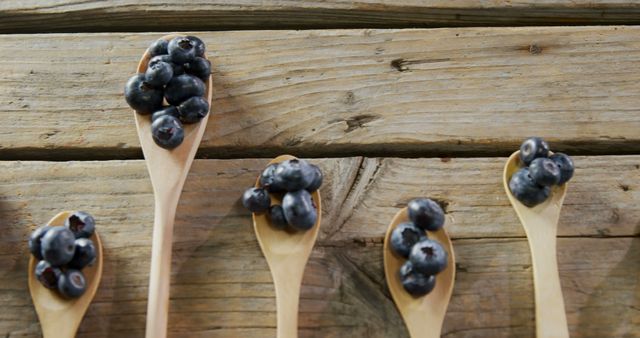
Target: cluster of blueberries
(177, 72)
(426, 257)
(63, 252)
(296, 179)
(531, 184)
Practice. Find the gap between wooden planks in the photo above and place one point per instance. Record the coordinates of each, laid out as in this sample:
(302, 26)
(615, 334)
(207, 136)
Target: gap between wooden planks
(221, 286)
(415, 93)
(128, 15)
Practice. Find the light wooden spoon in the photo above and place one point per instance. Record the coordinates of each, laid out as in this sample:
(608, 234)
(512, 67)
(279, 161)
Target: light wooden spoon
(540, 224)
(286, 254)
(423, 316)
(168, 170)
(60, 317)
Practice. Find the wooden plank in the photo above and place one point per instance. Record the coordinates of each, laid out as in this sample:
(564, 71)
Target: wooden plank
(154, 15)
(339, 92)
(221, 286)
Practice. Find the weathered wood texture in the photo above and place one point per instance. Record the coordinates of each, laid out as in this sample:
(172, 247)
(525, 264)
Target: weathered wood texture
(19, 16)
(221, 286)
(339, 92)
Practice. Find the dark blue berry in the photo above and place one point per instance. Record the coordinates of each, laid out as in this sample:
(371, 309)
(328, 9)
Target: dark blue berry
(158, 74)
(169, 110)
(35, 246)
(47, 274)
(199, 45)
(72, 284)
(256, 200)
(167, 132)
(404, 236)
(294, 174)
(158, 47)
(544, 171)
(428, 257)
(317, 178)
(58, 246)
(299, 210)
(525, 190)
(193, 109)
(565, 164)
(415, 283)
(199, 67)
(178, 69)
(426, 214)
(85, 254)
(182, 50)
(182, 87)
(532, 148)
(81, 224)
(141, 96)
(268, 180)
(276, 217)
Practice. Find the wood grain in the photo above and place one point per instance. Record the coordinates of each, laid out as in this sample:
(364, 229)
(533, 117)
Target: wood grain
(221, 286)
(18, 16)
(419, 93)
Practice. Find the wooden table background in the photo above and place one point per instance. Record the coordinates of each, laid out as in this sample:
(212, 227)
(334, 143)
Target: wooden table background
(394, 99)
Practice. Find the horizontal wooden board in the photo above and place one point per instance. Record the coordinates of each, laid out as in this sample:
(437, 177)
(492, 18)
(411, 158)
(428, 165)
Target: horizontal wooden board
(154, 15)
(462, 91)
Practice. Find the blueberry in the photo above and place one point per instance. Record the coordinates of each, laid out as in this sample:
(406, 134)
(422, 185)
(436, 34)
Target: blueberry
(268, 180)
(544, 171)
(276, 216)
(58, 246)
(158, 47)
(565, 164)
(199, 67)
(35, 241)
(533, 148)
(256, 200)
(47, 274)
(182, 87)
(72, 284)
(525, 190)
(159, 73)
(182, 50)
(415, 283)
(169, 110)
(141, 96)
(299, 210)
(404, 236)
(85, 254)
(428, 257)
(317, 178)
(193, 109)
(294, 174)
(167, 132)
(81, 224)
(178, 69)
(426, 214)
(200, 46)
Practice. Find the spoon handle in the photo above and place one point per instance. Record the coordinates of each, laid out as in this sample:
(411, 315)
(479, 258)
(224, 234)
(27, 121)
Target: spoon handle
(287, 283)
(551, 320)
(159, 277)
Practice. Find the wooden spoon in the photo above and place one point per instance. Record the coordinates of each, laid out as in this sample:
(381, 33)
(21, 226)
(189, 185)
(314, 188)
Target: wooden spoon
(540, 224)
(60, 317)
(423, 315)
(168, 170)
(287, 254)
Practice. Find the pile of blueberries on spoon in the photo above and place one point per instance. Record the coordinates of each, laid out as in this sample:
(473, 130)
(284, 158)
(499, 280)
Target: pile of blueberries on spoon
(531, 184)
(292, 181)
(176, 74)
(62, 252)
(426, 257)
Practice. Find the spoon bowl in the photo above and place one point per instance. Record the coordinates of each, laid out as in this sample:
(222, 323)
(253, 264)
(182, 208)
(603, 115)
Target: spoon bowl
(424, 315)
(168, 171)
(287, 254)
(540, 224)
(60, 317)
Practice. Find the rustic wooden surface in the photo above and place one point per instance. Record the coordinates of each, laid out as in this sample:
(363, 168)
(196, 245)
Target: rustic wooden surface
(155, 15)
(463, 91)
(221, 286)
